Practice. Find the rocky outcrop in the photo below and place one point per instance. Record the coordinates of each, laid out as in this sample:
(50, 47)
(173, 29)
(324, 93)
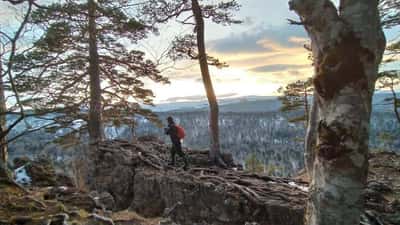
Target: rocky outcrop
(60, 206)
(136, 187)
(39, 172)
(207, 200)
(138, 177)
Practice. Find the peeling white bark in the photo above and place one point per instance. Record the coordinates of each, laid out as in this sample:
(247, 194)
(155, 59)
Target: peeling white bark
(348, 45)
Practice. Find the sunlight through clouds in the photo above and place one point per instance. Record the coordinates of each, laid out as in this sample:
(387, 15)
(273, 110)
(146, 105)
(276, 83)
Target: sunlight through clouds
(264, 53)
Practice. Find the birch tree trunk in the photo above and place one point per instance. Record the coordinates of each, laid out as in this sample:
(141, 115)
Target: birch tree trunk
(347, 45)
(306, 106)
(95, 111)
(310, 139)
(3, 121)
(205, 73)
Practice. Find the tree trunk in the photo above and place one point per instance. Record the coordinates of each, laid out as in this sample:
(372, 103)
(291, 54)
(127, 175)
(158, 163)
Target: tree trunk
(96, 132)
(95, 112)
(310, 139)
(306, 106)
(347, 47)
(205, 73)
(395, 102)
(133, 132)
(306, 110)
(3, 121)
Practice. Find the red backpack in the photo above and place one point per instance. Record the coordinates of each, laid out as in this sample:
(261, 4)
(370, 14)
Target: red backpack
(180, 132)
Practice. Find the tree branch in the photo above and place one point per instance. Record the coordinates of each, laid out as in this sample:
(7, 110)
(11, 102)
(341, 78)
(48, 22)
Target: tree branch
(10, 65)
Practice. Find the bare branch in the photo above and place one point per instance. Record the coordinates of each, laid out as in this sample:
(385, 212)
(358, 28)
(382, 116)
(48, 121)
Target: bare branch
(13, 41)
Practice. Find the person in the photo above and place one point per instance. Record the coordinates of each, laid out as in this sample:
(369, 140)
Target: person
(176, 148)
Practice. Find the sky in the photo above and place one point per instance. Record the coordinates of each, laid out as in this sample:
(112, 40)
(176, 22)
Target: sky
(263, 53)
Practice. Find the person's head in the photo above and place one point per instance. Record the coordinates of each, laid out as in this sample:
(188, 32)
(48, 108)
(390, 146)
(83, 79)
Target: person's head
(170, 120)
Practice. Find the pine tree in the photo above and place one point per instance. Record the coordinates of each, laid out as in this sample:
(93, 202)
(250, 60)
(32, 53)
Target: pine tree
(191, 46)
(390, 16)
(84, 67)
(295, 97)
(95, 123)
(390, 80)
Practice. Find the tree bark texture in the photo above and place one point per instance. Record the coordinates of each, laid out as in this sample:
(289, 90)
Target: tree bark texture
(205, 73)
(395, 102)
(306, 106)
(310, 139)
(95, 112)
(3, 121)
(347, 44)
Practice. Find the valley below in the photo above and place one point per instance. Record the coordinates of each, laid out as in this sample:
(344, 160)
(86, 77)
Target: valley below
(250, 128)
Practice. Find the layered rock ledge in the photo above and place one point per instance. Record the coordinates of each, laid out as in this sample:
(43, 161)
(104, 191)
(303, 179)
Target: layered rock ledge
(138, 177)
(135, 186)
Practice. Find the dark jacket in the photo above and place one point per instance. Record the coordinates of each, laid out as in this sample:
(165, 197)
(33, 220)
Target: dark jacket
(172, 131)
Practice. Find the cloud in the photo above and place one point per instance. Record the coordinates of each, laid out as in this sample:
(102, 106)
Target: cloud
(196, 98)
(298, 40)
(282, 78)
(261, 60)
(277, 67)
(265, 50)
(224, 79)
(186, 98)
(253, 40)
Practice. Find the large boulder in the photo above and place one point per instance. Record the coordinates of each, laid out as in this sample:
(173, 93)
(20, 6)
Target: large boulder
(189, 200)
(114, 174)
(42, 173)
(39, 172)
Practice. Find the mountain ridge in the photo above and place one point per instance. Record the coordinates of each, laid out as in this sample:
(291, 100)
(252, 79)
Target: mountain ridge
(251, 103)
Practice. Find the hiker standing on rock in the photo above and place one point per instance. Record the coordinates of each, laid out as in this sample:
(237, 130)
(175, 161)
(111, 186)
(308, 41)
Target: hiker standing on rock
(177, 133)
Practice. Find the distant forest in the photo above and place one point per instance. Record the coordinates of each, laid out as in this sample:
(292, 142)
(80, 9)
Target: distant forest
(275, 142)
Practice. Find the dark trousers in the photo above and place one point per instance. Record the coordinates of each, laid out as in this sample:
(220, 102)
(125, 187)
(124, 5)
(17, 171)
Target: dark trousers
(177, 149)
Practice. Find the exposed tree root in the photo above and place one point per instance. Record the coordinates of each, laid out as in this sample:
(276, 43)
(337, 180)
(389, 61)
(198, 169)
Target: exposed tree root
(255, 188)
